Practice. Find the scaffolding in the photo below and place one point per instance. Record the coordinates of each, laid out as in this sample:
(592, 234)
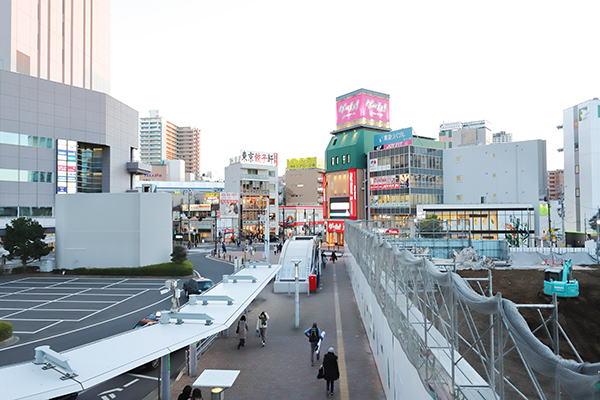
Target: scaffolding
(463, 341)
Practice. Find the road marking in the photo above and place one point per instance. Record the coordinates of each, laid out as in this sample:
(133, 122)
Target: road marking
(131, 383)
(152, 378)
(344, 394)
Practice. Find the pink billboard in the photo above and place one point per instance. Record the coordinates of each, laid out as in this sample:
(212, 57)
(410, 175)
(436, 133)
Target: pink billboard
(363, 106)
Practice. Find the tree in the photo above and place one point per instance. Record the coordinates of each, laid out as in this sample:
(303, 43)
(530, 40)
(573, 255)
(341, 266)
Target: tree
(179, 254)
(431, 227)
(24, 240)
(592, 221)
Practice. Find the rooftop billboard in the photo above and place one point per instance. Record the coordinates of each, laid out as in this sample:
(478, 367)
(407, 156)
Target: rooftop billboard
(363, 109)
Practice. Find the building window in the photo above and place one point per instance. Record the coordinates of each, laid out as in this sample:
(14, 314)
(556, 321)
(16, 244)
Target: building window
(332, 161)
(337, 160)
(348, 158)
(271, 173)
(458, 178)
(577, 169)
(252, 172)
(344, 159)
(577, 192)
(458, 159)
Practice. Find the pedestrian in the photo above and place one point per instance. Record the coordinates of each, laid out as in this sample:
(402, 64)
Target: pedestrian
(224, 248)
(333, 257)
(261, 325)
(185, 393)
(242, 329)
(331, 372)
(196, 394)
(323, 260)
(314, 335)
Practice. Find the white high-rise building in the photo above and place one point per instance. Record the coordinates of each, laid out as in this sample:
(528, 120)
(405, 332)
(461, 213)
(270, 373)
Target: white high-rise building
(62, 41)
(581, 127)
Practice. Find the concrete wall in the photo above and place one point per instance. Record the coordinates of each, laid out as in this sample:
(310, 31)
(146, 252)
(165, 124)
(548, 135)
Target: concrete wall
(113, 230)
(398, 377)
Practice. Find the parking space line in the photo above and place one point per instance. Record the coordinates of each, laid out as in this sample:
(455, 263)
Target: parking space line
(114, 304)
(39, 330)
(115, 283)
(62, 283)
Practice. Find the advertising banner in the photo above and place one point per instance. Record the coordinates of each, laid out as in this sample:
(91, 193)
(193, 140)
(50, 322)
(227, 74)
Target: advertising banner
(390, 182)
(305, 163)
(352, 192)
(229, 205)
(325, 197)
(66, 166)
(335, 226)
(212, 198)
(363, 106)
(258, 157)
(388, 140)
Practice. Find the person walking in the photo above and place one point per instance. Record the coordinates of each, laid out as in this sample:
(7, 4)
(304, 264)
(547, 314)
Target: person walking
(242, 329)
(196, 394)
(224, 248)
(333, 257)
(331, 371)
(185, 393)
(261, 325)
(314, 335)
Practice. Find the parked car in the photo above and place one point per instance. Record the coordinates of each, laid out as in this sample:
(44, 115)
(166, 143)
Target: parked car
(197, 286)
(144, 322)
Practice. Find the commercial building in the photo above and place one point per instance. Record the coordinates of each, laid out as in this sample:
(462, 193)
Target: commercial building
(475, 133)
(56, 138)
(502, 137)
(61, 41)
(361, 115)
(161, 140)
(302, 212)
(581, 128)
(504, 173)
(251, 193)
(404, 171)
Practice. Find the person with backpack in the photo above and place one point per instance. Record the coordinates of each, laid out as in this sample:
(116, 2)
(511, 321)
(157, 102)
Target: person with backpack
(314, 335)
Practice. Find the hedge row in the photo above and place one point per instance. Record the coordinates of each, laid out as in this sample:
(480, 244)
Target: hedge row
(165, 269)
(6, 330)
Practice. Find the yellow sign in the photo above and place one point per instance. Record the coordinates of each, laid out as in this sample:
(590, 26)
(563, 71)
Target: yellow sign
(212, 198)
(305, 163)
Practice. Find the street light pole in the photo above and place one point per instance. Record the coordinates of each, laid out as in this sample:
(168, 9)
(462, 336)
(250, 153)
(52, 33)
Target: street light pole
(297, 298)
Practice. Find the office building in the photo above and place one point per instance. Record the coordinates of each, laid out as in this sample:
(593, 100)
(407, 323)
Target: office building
(406, 170)
(161, 140)
(455, 134)
(61, 41)
(581, 128)
(502, 137)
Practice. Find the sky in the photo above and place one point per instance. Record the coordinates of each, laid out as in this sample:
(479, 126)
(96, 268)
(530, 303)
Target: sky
(263, 75)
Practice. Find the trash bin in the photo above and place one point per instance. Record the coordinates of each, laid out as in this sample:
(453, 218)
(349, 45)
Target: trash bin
(312, 282)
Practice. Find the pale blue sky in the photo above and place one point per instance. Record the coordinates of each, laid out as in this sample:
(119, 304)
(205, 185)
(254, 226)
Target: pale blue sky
(264, 75)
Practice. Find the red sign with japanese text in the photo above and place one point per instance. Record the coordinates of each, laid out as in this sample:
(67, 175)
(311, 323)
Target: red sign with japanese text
(335, 226)
(352, 192)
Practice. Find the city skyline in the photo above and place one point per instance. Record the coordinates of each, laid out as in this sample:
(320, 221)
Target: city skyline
(264, 76)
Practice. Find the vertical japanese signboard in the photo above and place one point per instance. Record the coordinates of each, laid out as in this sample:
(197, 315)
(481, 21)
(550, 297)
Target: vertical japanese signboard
(352, 192)
(66, 166)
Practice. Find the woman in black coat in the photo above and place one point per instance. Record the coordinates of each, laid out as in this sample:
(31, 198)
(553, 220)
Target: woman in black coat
(331, 371)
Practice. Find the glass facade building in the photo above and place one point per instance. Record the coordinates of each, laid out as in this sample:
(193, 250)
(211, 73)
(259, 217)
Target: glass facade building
(400, 178)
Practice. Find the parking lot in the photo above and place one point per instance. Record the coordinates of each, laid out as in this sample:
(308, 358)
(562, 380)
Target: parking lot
(66, 312)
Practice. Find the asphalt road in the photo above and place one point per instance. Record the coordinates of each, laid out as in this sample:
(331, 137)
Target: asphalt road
(66, 312)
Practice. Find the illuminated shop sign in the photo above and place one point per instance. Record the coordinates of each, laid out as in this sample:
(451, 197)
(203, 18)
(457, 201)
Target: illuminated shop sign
(352, 192)
(335, 226)
(389, 140)
(363, 105)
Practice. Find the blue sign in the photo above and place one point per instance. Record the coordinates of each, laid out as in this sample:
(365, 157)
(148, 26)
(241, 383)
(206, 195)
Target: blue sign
(399, 138)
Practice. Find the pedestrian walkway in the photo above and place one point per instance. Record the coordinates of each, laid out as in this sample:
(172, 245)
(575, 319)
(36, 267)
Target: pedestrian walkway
(281, 369)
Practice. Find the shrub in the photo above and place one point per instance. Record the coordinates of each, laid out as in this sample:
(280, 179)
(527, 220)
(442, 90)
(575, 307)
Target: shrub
(186, 268)
(6, 330)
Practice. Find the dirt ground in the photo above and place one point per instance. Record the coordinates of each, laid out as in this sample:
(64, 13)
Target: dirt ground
(579, 317)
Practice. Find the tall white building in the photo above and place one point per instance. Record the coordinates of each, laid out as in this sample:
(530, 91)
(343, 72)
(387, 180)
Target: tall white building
(161, 140)
(581, 127)
(62, 41)
(502, 137)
